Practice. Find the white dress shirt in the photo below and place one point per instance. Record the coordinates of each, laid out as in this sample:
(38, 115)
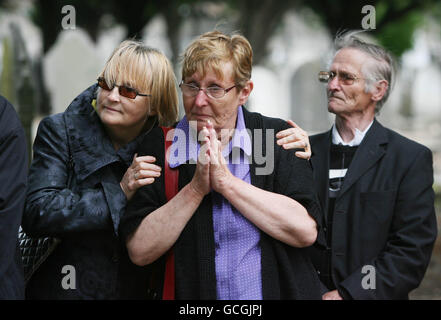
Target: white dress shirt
(358, 136)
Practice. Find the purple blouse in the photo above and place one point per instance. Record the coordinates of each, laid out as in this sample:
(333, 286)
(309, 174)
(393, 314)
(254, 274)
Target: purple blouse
(238, 265)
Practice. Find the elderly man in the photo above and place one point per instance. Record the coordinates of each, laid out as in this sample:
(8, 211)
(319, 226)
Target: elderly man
(13, 175)
(374, 185)
(237, 230)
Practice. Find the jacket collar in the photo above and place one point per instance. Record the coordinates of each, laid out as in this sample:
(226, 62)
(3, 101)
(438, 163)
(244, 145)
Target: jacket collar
(254, 121)
(89, 145)
(371, 149)
(321, 146)
(358, 136)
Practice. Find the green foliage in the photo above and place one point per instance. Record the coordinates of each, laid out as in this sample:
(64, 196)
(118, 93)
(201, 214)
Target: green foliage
(396, 20)
(258, 20)
(398, 36)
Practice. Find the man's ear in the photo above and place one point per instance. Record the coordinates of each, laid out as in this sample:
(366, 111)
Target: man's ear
(245, 92)
(379, 90)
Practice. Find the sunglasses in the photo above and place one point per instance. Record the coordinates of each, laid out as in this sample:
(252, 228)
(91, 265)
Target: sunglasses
(123, 90)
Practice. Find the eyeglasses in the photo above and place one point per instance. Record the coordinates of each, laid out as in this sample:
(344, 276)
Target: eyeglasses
(343, 77)
(123, 90)
(215, 92)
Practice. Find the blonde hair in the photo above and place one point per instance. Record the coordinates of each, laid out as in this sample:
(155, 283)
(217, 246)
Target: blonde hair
(214, 48)
(148, 71)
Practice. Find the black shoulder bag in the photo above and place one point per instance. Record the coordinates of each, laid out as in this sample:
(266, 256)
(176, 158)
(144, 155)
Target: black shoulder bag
(35, 250)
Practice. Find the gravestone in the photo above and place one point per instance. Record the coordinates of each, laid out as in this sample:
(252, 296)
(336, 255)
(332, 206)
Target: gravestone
(265, 97)
(155, 35)
(70, 66)
(308, 99)
(426, 97)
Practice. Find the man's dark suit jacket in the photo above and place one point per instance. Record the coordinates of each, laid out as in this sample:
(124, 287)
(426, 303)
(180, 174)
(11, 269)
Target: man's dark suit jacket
(13, 175)
(384, 214)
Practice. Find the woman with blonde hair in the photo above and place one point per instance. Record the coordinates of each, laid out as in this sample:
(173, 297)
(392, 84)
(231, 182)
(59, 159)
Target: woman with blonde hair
(85, 170)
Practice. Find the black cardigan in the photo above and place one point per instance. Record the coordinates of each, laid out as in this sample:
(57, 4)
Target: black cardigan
(287, 272)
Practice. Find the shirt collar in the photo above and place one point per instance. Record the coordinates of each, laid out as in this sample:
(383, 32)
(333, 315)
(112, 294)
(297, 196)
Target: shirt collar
(358, 136)
(185, 146)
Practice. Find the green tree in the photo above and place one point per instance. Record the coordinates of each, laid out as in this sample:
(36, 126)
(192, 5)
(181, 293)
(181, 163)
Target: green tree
(396, 20)
(258, 20)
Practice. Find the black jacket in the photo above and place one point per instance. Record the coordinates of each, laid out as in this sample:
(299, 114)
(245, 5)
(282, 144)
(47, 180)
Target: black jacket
(13, 174)
(287, 272)
(384, 215)
(84, 213)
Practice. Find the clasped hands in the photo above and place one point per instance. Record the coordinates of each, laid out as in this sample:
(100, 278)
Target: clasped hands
(212, 172)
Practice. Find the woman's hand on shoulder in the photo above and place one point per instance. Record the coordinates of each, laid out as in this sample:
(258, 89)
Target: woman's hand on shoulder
(141, 172)
(295, 138)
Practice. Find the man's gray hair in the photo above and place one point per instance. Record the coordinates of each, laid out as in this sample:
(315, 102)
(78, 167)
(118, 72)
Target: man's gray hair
(383, 69)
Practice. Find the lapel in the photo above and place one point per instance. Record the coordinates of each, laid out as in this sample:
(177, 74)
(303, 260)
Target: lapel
(371, 150)
(253, 121)
(321, 145)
